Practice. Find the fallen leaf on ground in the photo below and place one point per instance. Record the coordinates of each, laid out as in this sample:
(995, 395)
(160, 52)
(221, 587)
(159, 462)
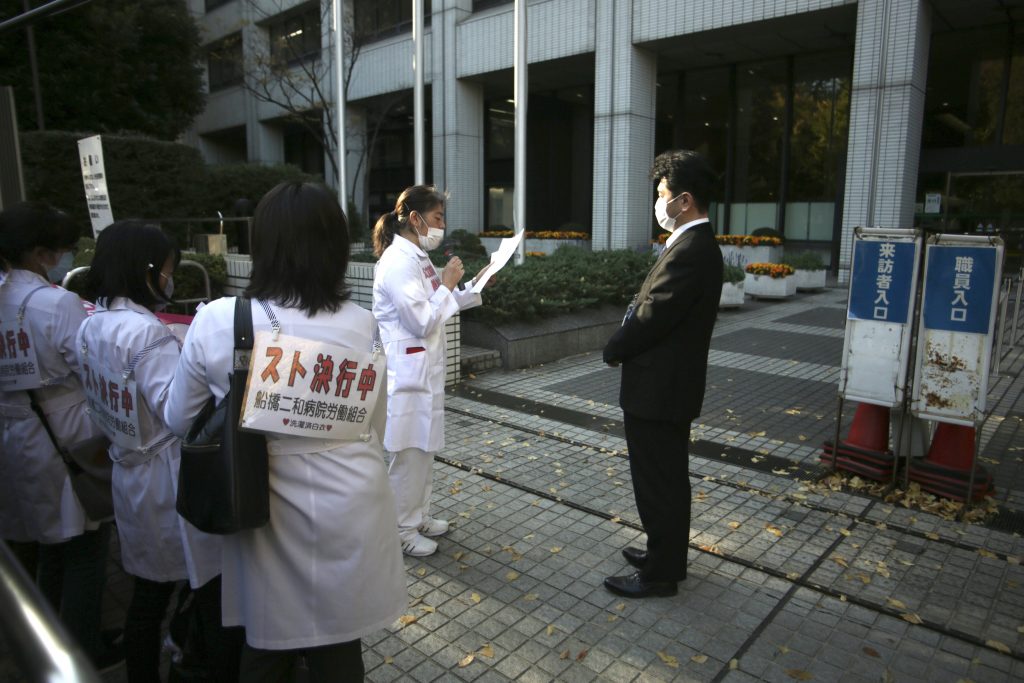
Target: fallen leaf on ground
(406, 619)
(783, 649)
(844, 532)
(761, 433)
(911, 617)
(997, 645)
(581, 655)
(530, 597)
(669, 660)
(774, 530)
(734, 525)
(475, 597)
(512, 575)
(564, 654)
(841, 561)
(613, 617)
(871, 652)
(486, 651)
(556, 549)
(428, 609)
(792, 411)
(697, 659)
(932, 535)
(882, 570)
(615, 520)
(389, 660)
(799, 674)
(551, 629)
(734, 664)
(459, 555)
(898, 604)
(987, 553)
(466, 661)
(621, 606)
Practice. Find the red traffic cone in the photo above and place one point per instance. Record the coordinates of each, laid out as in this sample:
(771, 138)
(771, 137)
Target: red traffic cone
(952, 446)
(870, 428)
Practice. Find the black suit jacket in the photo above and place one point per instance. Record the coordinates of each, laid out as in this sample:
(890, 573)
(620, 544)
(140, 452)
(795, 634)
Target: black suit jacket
(663, 344)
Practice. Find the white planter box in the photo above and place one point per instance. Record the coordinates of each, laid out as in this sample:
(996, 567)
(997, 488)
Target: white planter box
(732, 295)
(767, 287)
(810, 279)
(742, 256)
(544, 246)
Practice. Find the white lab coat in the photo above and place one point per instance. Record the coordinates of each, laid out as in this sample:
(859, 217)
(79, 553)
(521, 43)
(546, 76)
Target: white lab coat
(37, 502)
(328, 566)
(156, 543)
(411, 306)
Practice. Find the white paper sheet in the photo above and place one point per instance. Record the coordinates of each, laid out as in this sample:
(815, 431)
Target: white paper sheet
(499, 257)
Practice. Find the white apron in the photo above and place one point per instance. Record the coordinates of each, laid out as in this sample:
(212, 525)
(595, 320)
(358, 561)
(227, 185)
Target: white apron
(37, 503)
(411, 306)
(156, 544)
(328, 567)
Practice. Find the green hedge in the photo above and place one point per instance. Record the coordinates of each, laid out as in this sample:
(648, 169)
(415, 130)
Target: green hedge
(146, 178)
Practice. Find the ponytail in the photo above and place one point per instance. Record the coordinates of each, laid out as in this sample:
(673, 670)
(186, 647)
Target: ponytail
(384, 232)
(418, 198)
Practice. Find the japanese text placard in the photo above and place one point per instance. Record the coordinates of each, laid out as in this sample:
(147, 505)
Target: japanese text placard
(113, 403)
(959, 288)
(19, 368)
(309, 388)
(882, 280)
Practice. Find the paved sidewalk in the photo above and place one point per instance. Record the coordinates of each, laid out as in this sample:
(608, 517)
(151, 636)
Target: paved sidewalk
(787, 581)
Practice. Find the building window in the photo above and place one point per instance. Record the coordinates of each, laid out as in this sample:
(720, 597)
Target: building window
(224, 63)
(214, 4)
(295, 36)
(487, 4)
(376, 19)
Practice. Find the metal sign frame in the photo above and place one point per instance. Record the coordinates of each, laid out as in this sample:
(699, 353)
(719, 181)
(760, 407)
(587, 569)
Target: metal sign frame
(876, 352)
(952, 367)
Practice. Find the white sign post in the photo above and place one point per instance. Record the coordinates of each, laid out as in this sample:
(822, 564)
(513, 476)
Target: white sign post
(94, 177)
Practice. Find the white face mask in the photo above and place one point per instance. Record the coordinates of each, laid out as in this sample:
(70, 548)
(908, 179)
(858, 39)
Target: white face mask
(661, 213)
(61, 268)
(432, 240)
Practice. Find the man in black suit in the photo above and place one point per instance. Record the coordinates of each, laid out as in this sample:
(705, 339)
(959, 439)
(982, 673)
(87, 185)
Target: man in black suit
(663, 349)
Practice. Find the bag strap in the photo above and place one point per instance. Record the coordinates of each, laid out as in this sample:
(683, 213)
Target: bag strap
(72, 466)
(24, 303)
(243, 333)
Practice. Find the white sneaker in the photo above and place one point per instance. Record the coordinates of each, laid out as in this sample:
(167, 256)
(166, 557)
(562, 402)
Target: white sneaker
(419, 546)
(434, 527)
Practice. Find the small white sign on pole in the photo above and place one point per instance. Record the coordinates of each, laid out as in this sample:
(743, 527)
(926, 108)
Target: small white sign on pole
(94, 177)
(958, 313)
(876, 349)
(933, 202)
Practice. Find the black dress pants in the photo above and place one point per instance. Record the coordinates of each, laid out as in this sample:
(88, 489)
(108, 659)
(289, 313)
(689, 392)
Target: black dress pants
(337, 663)
(659, 462)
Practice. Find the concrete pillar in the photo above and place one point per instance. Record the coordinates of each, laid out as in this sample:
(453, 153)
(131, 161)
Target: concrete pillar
(458, 120)
(624, 103)
(890, 66)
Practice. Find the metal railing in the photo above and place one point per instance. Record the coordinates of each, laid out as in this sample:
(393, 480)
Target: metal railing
(38, 643)
(82, 270)
(1007, 333)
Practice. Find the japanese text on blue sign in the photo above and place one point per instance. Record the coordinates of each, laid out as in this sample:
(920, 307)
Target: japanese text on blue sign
(958, 290)
(881, 281)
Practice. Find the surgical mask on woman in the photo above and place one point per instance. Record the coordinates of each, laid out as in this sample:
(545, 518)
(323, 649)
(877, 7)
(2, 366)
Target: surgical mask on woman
(432, 240)
(61, 268)
(169, 287)
(661, 213)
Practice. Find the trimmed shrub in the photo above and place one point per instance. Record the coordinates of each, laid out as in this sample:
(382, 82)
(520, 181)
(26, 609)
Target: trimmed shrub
(146, 178)
(227, 183)
(806, 260)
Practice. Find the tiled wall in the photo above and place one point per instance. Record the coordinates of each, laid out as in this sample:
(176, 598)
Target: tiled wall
(360, 282)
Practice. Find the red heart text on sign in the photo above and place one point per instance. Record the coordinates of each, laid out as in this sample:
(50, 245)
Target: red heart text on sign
(285, 420)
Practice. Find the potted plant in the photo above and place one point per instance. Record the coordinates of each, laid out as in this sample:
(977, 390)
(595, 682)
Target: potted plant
(744, 249)
(769, 280)
(732, 286)
(546, 241)
(810, 270)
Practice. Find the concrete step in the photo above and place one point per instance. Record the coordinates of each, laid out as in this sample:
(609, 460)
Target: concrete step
(476, 360)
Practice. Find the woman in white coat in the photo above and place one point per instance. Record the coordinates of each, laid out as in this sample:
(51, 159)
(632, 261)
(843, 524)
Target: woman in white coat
(327, 569)
(123, 342)
(40, 515)
(412, 302)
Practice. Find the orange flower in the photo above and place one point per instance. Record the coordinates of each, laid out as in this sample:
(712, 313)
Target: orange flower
(772, 270)
(748, 241)
(540, 234)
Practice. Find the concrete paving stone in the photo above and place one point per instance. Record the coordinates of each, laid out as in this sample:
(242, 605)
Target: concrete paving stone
(426, 671)
(385, 673)
(512, 666)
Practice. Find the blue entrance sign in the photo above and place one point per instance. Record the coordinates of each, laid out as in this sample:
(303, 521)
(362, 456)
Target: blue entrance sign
(881, 281)
(958, 288)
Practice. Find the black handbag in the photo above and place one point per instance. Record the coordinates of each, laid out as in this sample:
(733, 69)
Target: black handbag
(224, 481)
(89, 468)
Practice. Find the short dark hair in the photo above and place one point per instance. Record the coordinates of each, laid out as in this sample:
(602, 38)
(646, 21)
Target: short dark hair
(418, 198)
(27, 225)
(687, 171)
(128, 259)
(299, 248)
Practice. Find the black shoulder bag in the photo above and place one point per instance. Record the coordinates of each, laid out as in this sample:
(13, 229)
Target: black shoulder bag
(223, 482)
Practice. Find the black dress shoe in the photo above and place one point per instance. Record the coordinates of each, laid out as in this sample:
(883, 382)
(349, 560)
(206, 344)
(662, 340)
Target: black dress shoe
(634, 586)
(635, 556)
